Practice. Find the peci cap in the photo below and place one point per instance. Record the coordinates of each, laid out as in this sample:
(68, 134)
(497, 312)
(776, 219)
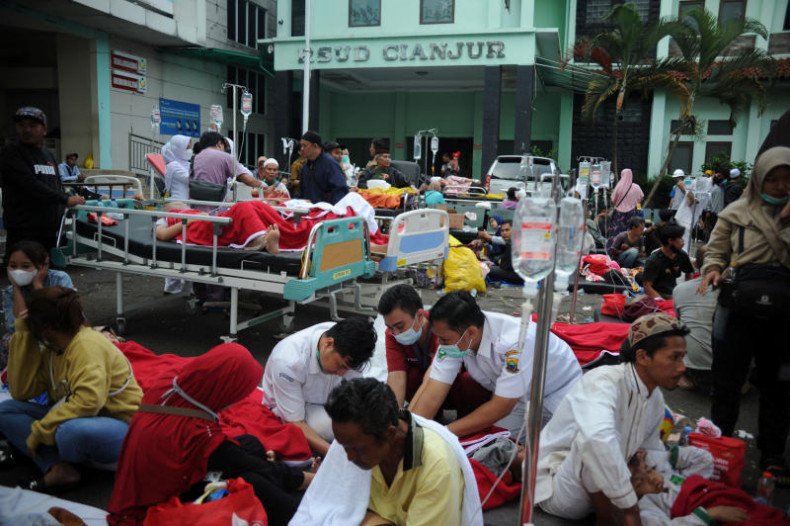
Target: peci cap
(735, 173)
(30, 112)
(654, 324)
(271, 162)
(678, 173)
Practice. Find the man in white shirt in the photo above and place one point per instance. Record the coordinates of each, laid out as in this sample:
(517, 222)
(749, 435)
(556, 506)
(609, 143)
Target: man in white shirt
(486, 344)
(304, 368)
(609, 415)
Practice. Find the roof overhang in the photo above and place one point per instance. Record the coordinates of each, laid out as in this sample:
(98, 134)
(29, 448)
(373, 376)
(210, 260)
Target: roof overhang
(253, 61)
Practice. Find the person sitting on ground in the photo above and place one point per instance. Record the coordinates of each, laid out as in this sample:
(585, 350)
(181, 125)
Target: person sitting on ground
(628, 248)
(511, 199)
(304, 367)
(433, 194)
(175, 439)
(594, 230)
(411, 346)
(663, 267)
(68, 170)
(486, 344)
(610, 414)
(383, 171)
(388, 466)
(272, 186)
(85, 376)
(500, 253)
(696, 310)
(249, 229)
(321, 179)
(734, 188)
(176, 155)
(665, 215)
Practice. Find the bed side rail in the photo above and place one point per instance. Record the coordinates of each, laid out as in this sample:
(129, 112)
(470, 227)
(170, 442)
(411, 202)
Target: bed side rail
(417, 236)
(337, 250)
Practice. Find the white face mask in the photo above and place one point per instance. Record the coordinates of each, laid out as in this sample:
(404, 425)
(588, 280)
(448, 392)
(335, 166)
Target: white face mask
(23, 278)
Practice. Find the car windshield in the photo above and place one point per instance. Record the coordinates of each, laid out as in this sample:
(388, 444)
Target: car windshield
(508, 168)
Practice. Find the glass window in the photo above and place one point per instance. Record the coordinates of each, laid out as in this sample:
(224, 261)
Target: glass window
(297, 18)
(437, 11)
(241, 28)
(246, 22)
(261, 24)
(231, 19)
(687, 5)
(717, 149)
(731, 10)
(719, 128)
(682, 157)
(364, 13)
(687, 128)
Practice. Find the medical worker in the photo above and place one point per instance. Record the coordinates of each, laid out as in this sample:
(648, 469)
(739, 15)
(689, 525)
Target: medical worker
(304, 368)
(605, 419)
(486, 344)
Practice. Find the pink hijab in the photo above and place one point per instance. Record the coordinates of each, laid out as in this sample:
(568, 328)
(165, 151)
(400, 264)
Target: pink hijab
(627, 194)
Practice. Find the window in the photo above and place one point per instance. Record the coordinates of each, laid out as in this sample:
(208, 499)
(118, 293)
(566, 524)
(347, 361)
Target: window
(297, 18)
(730, 10)
(717, 149)
(363, 13)
(682, 157)
(246, 22)
(437, 11)
(687, 5)
(719, 128)
(254, 81)
(786, 26)
(251, 147)
(687, 128)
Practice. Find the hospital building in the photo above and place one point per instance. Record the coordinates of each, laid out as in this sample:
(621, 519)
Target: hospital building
(486, 76)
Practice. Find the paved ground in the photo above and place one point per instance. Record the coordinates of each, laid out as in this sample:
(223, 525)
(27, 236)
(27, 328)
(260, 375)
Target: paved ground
(163, 325)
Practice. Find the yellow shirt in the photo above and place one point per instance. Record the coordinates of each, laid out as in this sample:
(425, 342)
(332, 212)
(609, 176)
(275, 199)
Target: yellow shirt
(91, 377)
(429, 491)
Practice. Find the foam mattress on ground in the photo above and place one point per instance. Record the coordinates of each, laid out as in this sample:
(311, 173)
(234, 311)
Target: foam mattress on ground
(141, 245)
(16, 504)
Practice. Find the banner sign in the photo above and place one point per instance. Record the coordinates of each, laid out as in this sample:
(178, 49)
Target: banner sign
(179, 118)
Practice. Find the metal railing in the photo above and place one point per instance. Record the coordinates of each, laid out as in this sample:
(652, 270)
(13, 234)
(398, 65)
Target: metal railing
(139, 147)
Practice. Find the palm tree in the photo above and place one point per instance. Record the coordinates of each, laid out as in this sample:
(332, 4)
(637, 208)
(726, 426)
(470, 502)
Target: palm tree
(622, 55)
(710, 66)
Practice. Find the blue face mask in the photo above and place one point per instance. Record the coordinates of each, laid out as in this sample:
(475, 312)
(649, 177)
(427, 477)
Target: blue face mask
(775, 201)
(410, 336)
(452, 351)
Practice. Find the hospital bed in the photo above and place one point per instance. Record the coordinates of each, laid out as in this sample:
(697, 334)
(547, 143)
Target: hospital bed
(337, 254)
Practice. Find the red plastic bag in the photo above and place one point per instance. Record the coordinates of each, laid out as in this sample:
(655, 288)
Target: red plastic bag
(728, 457)
(241, 506)
(613, 305)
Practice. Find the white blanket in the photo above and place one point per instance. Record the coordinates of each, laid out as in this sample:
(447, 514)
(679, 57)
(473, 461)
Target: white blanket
(20, 506)
(340, 491)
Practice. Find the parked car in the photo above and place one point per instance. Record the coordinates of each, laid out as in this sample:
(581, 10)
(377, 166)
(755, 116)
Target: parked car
(522, 172)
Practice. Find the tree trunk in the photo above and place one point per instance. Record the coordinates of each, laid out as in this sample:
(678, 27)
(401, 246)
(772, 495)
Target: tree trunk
(615, 171)
(662, 172)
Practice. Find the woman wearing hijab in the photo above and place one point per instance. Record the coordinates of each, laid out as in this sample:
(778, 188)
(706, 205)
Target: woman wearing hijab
(625, 196)
(175, 439)
(176, 154)
(749, 251)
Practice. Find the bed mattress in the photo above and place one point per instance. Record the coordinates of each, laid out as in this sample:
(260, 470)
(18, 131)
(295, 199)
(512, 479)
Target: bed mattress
(141, 245)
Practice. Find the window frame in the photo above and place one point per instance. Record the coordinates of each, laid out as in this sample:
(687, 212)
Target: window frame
(690, 146)
(422, 15)
(709, 144)
(363, 25)
(722, 4)
(246, 32)
(719, 122)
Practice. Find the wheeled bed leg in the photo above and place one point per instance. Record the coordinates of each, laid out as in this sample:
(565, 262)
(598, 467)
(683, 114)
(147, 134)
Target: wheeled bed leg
(120, 319)
(234, 316)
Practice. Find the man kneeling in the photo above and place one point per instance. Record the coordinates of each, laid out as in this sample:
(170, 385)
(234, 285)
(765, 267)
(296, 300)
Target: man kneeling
(412, 470)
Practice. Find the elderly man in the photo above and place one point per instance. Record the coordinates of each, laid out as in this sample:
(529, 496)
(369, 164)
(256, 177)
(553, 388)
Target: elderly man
(321, 177)
(604, 420)
(270, 177)
(33, 198)
(397, 468)
(383, 170)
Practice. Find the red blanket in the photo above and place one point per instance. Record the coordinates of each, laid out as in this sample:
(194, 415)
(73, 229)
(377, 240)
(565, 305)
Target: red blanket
(590, 340)
(248, 417)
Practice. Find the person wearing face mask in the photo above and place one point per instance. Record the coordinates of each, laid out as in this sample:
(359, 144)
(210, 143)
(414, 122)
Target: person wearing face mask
(486, 344)
(87, 379)
(749, 257)
(411, 345)
(28, 270)
(664, 266)
(304, 368)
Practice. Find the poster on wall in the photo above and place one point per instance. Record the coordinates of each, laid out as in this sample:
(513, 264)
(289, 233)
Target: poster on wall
(179, 118)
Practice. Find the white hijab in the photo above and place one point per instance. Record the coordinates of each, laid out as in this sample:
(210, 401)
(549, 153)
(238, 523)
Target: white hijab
(176, 151)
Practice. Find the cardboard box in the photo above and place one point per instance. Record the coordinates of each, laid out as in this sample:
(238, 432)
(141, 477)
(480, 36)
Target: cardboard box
(456, 221)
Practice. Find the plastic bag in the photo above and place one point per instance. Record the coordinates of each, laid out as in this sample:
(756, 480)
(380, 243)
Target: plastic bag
(728, 457)
(241, 506)
(461, 269)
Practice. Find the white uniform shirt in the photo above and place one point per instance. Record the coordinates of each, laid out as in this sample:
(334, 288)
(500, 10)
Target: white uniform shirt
(501, 367)
(293, 377)
(600, 424)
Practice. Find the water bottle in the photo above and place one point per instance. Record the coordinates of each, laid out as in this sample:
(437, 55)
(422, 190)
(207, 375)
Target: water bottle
(534, 240)
(765, 488)
(684, 437)
(570, 237)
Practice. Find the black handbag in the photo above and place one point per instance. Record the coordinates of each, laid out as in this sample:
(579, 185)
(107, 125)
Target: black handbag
(203, 191)
(762, 291)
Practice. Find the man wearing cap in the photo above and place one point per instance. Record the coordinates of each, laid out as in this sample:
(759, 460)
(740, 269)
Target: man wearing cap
(68, 170)
(734, 188)
(33, 199)
(679, 190)
(612, 412)
(321, 177)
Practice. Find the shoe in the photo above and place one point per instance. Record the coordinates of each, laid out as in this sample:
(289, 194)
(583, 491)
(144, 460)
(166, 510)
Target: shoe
(7, 456)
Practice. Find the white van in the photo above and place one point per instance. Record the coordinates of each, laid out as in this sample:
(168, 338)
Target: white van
(521, 172)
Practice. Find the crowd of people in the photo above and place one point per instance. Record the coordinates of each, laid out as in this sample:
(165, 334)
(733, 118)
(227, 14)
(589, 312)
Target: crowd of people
(390, 450)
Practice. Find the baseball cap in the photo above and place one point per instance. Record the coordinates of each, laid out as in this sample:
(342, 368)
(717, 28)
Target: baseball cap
(678, 173)
(30, 112)
(654, 324)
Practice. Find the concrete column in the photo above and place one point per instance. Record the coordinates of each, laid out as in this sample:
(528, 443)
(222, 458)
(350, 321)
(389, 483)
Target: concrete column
(282, 92)
(492, 104)
(399, 132)
(315, 86)
(565, 139)
(525, 79)
(659, 138)
(76, 125)
(100, 91)
(477, 138)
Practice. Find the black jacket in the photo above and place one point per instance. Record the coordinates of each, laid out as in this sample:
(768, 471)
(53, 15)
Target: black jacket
(33, 198)
(322, 180)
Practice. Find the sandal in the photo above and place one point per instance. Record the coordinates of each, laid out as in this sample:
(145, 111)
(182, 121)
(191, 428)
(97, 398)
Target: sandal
(781, 474)
(7, 456)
